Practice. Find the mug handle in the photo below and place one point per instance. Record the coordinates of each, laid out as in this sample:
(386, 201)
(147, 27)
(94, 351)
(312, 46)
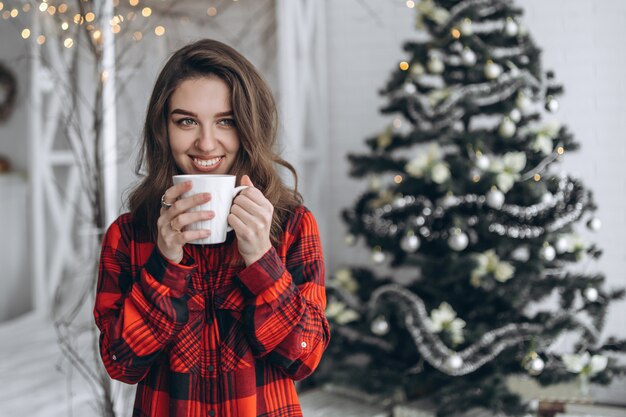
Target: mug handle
(236, 191)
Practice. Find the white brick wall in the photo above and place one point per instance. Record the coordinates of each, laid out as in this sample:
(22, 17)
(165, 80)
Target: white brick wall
(582, 40)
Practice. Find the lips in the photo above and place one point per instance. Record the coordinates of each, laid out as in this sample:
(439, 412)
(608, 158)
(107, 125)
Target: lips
(207, 165)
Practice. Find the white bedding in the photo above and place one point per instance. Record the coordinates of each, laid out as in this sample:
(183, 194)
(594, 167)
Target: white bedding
(34, 373)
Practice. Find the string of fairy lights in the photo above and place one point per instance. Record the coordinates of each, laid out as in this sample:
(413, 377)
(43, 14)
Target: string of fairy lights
(68, 18)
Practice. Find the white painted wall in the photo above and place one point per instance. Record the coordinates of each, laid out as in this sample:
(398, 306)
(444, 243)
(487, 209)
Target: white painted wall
(583, 41)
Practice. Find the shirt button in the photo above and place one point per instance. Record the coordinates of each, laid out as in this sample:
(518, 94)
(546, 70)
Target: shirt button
(210, 368)
(211, 413)
(303, 344)
(114, 357)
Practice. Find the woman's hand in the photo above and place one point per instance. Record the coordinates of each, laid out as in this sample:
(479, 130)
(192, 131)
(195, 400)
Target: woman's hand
(251, 218)
(171, 237)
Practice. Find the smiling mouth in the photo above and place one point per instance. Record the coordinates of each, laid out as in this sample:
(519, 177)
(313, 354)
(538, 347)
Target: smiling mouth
(205, 163)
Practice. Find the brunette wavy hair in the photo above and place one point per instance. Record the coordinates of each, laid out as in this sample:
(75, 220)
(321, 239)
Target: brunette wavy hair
(256, 119)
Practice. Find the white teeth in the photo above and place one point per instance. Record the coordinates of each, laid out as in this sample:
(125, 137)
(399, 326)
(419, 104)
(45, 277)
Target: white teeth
(207, 163)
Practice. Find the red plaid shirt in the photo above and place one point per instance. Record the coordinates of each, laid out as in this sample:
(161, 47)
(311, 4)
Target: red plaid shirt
(209, 336)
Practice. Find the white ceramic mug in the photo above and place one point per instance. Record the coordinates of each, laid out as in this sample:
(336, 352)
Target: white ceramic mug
(223, 191)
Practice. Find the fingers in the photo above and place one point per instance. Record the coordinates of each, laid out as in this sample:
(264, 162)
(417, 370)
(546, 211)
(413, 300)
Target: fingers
(173, 196)
(245, 180)
(252, 199)
(175, 191)
(185, 219)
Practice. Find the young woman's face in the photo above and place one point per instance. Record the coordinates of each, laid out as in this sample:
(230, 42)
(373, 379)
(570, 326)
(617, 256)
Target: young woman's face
(202, 132)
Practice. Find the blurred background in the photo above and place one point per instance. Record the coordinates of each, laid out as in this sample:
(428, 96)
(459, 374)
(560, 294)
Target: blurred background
(73, 102)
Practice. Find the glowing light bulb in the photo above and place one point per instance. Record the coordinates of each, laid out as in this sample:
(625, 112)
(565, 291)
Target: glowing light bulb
(397, 179)
(43, 7)
(62, 8)
(146, 11)
(68, 43)
(211, 11)
(90, 17)
(159, 30)
(14, 13)
(41, 39)
(404, 65)
(410, 4)
(133, 2)
(137, 36)
(26, 33)
(537, 177)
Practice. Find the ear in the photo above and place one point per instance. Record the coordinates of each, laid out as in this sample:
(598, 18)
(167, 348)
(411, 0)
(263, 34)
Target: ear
(245, 180)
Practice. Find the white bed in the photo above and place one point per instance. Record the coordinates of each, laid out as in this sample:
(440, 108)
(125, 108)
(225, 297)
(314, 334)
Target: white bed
(36, 379)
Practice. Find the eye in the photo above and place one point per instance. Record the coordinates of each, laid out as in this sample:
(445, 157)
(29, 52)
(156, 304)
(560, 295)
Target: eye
(186, 122)
(227, 122)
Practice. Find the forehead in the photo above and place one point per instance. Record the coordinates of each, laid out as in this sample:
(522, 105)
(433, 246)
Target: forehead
(203, 93)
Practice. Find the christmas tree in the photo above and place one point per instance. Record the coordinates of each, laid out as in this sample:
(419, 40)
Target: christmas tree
(467, 205)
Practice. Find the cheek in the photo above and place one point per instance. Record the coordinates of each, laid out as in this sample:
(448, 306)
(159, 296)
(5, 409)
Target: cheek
(178, 140)
(233, 144)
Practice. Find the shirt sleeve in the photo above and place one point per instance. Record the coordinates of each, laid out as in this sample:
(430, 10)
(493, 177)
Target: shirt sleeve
(137, 315)
(284, 312)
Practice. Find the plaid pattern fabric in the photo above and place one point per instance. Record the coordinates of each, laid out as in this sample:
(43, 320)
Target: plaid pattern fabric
(210, 336)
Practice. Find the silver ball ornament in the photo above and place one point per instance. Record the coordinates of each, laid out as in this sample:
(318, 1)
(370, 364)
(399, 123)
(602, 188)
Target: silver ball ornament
(492, 70)
(523, 102)
(515, 115)
(507, 128)
(468, 57)
(547, 198)
(435, 65)
(458, 240)
(378, 256)
(483, 162)
(521, 254)
(409, 88)
(454, 361)
(594, 224)
(591, 294)
(561, 245)
(410, 243)
(535, 367)
(552, 105)
(380, 326)
(466, 27)
(417, 70)
(495, 199)
(547, 253)
(511, 27)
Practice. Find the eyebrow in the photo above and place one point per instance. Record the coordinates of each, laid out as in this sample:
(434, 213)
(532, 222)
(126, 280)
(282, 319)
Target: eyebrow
(190, 113)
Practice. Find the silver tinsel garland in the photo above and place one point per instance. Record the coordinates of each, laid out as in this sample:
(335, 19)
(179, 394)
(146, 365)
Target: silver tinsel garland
(482, 94)
(486, 8)
(436, 353)
(569, 199)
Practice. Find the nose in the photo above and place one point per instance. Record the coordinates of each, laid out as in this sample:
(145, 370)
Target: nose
(206, 141)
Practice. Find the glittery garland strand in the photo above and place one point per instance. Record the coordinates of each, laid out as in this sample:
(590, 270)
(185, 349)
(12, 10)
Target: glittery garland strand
(436, 353)
(488, 7)
(482, 94)
(568, 190)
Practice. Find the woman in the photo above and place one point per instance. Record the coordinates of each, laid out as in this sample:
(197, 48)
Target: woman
(212, 330)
